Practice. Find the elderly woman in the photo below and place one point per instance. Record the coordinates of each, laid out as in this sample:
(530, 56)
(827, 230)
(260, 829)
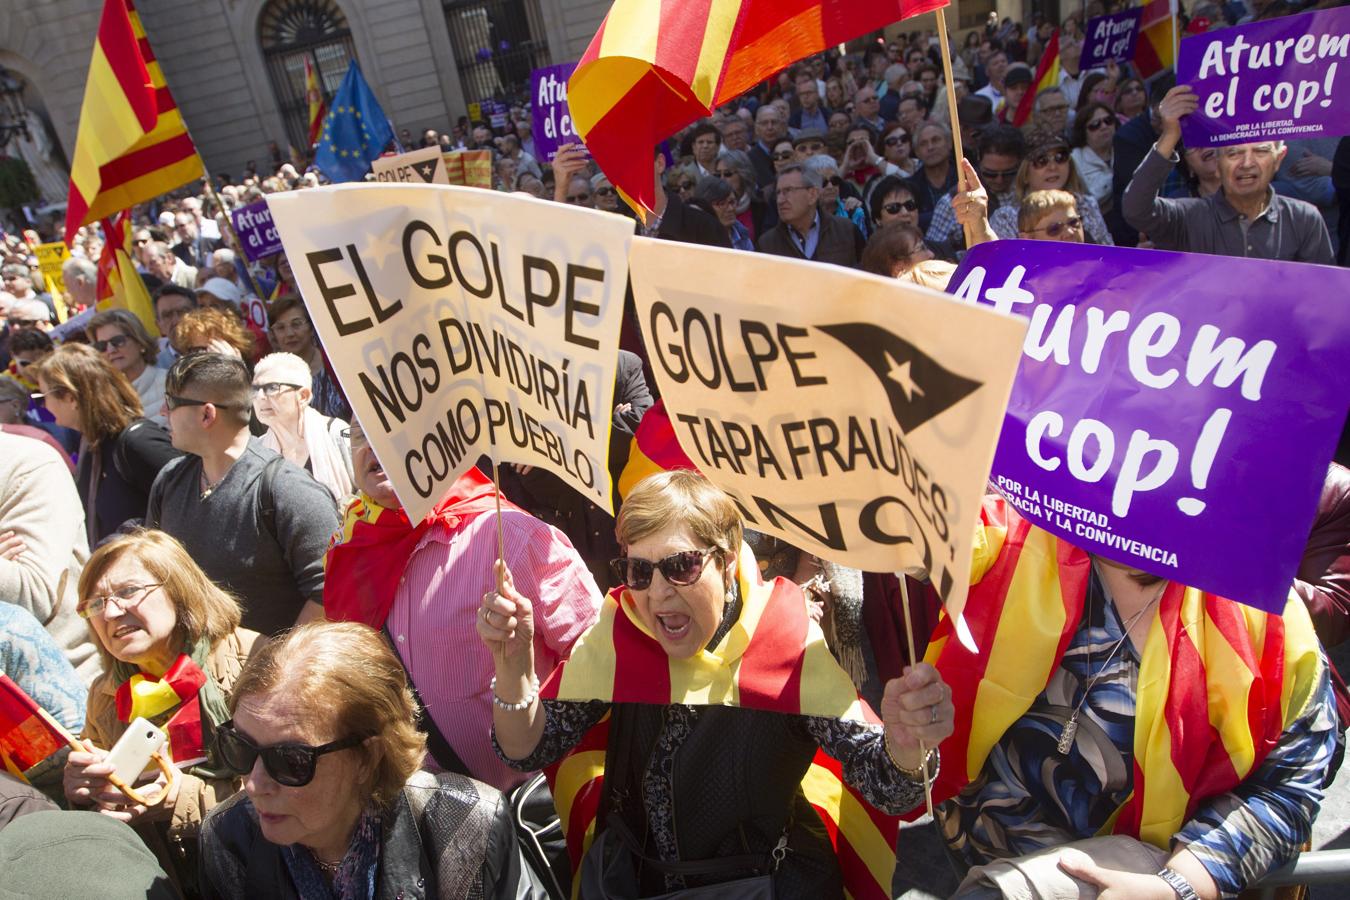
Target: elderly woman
(1121, 730)
(1049, 166)
(751, 209)
(121, 452)
(302, 434)
(172, 648)
(124, 342)
(323, 729)
(293, 332)
(704, 763)
(714, 196)
(832, 202)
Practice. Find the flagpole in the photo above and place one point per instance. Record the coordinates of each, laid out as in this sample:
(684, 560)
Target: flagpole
(957, 149)
(1176, 31)
(914, 661)
(229, 227)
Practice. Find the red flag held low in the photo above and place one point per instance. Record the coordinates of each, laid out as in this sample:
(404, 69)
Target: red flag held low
(26, 738)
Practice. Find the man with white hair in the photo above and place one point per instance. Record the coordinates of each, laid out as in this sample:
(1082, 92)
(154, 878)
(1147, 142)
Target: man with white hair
(1245, 217)
(223, 264)
(18, 280)
(81, 278)
(161, 262)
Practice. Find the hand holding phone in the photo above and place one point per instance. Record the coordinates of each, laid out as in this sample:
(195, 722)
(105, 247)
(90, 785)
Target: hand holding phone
(131, 754)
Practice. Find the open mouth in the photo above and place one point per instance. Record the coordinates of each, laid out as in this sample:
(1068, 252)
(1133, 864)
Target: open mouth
(673, 625)
(125, 630)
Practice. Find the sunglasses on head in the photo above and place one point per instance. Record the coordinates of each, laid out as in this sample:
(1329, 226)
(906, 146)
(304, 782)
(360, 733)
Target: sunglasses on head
(1059, 158)
(291, 765)
(895, 208)
(681, 569)
(1097, 124)
(1073, 223)
(117, 342)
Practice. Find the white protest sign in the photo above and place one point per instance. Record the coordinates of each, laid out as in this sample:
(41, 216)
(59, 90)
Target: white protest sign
(424, 166)
(852, 416)
(464, 322)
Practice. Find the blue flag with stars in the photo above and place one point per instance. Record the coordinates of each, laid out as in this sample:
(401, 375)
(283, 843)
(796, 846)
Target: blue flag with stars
(355, 132)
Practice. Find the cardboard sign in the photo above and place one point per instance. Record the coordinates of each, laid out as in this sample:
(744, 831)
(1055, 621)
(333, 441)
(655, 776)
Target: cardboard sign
(552, 118)
(1272, 80)
(51, 257)
(465, 322)
(422, 166)
(257, 234)
(851, 415)
(1170, 414)
(1111, 38)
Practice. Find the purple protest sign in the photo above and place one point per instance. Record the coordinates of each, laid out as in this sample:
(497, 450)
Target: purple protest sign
(1274, 80)
(257, 234)
(552, 119)
(1111, 38)
(1173, 412)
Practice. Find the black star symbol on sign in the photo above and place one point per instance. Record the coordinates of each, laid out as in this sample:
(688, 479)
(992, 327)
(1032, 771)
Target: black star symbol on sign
(918, 387)
(426, 169)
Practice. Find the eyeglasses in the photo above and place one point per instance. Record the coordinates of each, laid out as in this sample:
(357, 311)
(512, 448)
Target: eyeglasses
(896, 140)
(172, 402)
(893, 209)
(811, 147)
(128, 597)
(117, 342)
(681, 569)
(833, 181)
(578, 198)
(783, 155)
(1059, 158)
(1097, 124)
(1073, 223)
(997, 174)
(273, 388)
(605, 192)
(686, 186)
(288, 764)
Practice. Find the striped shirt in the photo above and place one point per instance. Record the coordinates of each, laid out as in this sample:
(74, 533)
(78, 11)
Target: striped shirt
(433, 622)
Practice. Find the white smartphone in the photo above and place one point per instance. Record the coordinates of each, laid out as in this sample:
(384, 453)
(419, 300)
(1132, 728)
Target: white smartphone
(132, 752)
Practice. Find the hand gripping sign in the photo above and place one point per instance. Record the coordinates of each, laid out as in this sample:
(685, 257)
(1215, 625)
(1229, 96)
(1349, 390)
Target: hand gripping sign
(851, 415)
(463, 322)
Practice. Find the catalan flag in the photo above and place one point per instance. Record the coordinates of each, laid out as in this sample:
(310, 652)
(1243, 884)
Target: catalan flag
(1218, 681)
(774, 659)
(1155, 49)
(27, 737)
(657, 65)
(318, 107)
(1047, 75)
(132, 144)
(119, 284)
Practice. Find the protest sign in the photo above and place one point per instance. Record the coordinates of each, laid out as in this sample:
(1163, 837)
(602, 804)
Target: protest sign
(552, 119)
(1270, 80)
(257, 234)
(851, 415)
(463, 322)
(1174, 412)
(422, 166)
(51, 257)
(1111, 38)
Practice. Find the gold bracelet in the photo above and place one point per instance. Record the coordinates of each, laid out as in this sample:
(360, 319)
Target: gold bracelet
(932, 761)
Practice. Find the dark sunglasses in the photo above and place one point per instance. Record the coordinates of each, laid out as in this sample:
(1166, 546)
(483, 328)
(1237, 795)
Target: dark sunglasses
(117, 342)
(896, 140)
(291, 765)
(173, 401)
(1059, 158)
(578, 198)
(605, 192)
(997, 174)
(686, 186)
(893, 209)
(834, 181)
(682, 569)
(1072, 223)
(784, 155)
(1098, 124)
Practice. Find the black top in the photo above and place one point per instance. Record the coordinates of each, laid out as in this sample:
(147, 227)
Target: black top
(127, 464)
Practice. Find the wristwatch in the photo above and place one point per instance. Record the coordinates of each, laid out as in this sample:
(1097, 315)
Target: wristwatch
(1177, 882)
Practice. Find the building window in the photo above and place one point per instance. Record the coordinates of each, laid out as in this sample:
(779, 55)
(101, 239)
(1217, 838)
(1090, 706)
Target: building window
(497, 43)
(290, 31)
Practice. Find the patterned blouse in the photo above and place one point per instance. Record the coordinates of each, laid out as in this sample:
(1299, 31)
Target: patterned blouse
(1029, 796)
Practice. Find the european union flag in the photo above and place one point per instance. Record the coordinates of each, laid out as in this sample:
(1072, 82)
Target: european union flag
(355, 132)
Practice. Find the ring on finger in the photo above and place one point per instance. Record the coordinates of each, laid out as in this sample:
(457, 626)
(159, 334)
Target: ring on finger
(934, 716)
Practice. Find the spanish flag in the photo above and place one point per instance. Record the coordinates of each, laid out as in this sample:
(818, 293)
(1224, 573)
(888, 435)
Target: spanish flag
(654, 449)
(657, 65)
(1047, 75)
(26, 734)
(1218, 683)
(1155, 51)
(775, 659)
(132, 144)
(119, 284)
(318, 107)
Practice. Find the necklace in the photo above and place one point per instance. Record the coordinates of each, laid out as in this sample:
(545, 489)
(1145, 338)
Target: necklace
(209, 488)
(327, 868)
(1070, 729)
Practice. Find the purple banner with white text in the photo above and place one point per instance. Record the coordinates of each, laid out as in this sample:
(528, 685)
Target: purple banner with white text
(1111, 38)
(1173, 412)
(1280, 79)
(552, 119)
(257, 234)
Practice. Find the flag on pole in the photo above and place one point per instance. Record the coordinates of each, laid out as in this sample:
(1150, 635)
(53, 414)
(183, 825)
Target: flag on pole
(132, 143)
(355, 131)
(1155, 49)
(119, 285)
(318, 107)
(26, 738)
(657, 65)
(1047, 75)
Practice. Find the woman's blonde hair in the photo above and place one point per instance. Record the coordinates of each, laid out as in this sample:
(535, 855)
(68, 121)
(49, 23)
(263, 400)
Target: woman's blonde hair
(207, 323)
(107, 402)
(203, 609)
(680, 497)
(346, 673)
(1038, 204)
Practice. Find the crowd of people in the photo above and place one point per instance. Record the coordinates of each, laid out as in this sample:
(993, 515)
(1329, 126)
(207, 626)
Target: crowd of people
(194, 530)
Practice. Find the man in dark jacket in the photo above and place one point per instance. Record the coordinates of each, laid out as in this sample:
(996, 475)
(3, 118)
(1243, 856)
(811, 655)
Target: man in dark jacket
(802, 232)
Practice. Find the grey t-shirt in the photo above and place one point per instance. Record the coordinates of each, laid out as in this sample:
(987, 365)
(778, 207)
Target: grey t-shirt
(272, 574)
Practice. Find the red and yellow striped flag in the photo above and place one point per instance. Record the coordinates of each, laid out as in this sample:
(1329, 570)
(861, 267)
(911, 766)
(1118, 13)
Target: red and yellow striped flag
(26, 735)
(318, 107)
(119, 284)
(1155, 49)
(1047, 75)
(654, 449)
(132, 144)
(657, 65)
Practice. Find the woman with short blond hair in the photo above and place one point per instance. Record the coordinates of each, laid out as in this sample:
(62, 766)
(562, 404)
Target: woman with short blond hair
(334, 805)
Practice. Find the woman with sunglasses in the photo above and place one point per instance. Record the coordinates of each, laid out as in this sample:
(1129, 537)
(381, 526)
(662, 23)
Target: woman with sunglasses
(703, 766)
(1131, 99)
(894, 146)
(753, 212)
(837, 198)
(281, 400)
(1094, 134)
(323, 730)
(124, 342)
(893, 201)
(1049, 166)
(120, 452)
(172, 649)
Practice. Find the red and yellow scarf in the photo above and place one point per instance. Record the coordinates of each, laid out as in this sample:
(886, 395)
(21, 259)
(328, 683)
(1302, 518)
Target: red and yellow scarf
(367, 555)
(148, 697)
(1218, 683)
(774, 658)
